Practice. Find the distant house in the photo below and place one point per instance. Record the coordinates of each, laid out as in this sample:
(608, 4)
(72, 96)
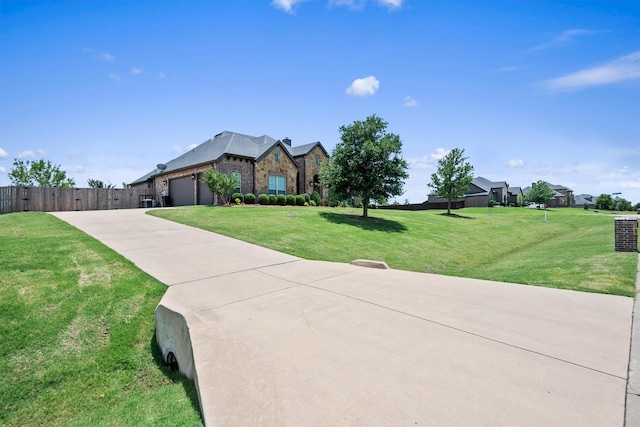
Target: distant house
(582, 200)
(261, 164)
(516, 196)
(481, 193)
(562, 197)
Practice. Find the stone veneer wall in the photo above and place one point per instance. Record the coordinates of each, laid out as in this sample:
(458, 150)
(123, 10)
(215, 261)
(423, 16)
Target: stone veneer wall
(230, 164)
(312, 169)
(626, 231)
(268, 166)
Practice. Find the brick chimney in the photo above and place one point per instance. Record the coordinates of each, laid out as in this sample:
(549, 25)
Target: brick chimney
(287, 141)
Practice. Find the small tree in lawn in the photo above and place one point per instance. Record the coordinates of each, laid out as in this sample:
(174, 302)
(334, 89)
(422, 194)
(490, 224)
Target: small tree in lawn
(540, 193)
(367, 163)
(219, 183)
(453, 176)
(39, 173)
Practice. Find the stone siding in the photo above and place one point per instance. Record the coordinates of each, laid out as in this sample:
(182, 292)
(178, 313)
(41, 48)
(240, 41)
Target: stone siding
(267, 166)
(230, 164)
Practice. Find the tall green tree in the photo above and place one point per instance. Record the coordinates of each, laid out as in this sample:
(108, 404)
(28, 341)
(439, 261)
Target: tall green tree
(219, 183)
(367, 163)
(605, 201)
(623, 205)
(453, 176)
(39, 173)
(540, 193)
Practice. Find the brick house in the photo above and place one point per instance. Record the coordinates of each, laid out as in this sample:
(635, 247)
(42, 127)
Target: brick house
(261, 164)
(562, 196)
(480, 193)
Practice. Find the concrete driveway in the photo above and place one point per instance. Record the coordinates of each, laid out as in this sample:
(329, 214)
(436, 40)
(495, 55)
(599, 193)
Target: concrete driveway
(272, 339)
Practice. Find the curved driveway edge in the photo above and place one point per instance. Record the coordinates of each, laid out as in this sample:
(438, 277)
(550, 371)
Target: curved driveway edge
(278, 340)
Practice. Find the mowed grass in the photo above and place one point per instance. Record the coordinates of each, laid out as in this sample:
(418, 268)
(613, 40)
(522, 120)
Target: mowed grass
(77, 341)
(574, 249)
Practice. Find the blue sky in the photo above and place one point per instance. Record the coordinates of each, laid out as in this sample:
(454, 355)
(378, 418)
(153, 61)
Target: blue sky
(529, 89)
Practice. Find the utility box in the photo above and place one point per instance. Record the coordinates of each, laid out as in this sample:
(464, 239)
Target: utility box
(626, 230)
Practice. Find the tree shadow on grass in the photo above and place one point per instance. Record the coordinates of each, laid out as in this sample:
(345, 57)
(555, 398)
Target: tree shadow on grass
(369, 223)
(176, 376)
(453, 215)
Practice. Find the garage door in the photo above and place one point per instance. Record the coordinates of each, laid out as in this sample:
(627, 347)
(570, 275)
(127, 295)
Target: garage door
(205, 196)
(181, 191)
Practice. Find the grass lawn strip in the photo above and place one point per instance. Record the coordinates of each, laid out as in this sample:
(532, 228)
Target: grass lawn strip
(76, 333)
(574, 249)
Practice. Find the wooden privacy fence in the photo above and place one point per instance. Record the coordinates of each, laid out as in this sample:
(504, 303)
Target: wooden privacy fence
(19, 199)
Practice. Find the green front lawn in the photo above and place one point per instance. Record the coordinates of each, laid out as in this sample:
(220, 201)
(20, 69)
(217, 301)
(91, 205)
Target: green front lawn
(574, 249)
(77, 334)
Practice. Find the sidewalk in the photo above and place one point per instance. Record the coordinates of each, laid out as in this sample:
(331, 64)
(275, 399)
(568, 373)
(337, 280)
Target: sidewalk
(278, 340)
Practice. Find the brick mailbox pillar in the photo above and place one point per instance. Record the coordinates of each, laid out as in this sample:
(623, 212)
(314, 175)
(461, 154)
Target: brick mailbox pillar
(626, 234)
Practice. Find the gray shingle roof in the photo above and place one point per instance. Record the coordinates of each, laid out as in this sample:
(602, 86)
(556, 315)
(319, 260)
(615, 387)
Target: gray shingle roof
(227, 143)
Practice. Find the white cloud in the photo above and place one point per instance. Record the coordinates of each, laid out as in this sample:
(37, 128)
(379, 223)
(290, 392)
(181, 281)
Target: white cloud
(74, 153)
(289, 5)
(620, 69)
(428, 159)
(391, 4)
(30, 154)
(114, 76)
(2, 169)
(562, 39)
(106, 57)
(74, 169)
(161, 75)
(192, 146)
(136, 71)
(177, 149)
(3, 154)
(286, 5)
(363, 87)
(515, 163)
(409, 101)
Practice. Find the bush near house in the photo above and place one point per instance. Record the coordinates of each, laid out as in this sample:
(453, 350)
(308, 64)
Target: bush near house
(272, 199)
(236, 196)
(300, 200)
(291, 199)
(249, 198)
(316, 198)
(263, 199)
(281, 199)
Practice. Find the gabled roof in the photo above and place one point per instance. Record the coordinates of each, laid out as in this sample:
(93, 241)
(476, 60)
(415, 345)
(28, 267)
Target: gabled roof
(487, 185)
(554, 187)
(228, 143)
(514, 190)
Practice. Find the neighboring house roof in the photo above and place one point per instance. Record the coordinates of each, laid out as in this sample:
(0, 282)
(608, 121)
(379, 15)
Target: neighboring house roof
(553, 187)
(515, 190)
(485, 185)
(228, 143)
(582, 200)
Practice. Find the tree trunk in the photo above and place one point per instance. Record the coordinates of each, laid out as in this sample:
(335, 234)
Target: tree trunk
(448, 206)
(365, 209)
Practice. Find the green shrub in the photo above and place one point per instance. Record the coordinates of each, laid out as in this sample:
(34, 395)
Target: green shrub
(272, 199)
(316, 198)
(300, 200)
(492, 203)
(307, 198)
(236, 196)
(313, 203)
(281, 199)
(263, 199)
(291, 199)
(249, 199)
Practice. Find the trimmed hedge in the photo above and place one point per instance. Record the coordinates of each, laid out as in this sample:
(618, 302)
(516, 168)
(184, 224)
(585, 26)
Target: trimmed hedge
(281, 199)
(315, 197)
(291, 199)
(235, 196)
(300, 201)
(249, 199)
(272, 199)
(263, 199)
